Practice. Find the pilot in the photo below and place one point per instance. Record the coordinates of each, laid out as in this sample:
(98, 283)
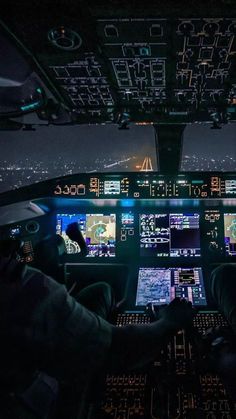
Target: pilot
(223, 288)
(49, 253)
(224, 291)
(48, 336)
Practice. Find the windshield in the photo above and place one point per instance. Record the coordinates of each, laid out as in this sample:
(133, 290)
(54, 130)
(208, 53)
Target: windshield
(207, 149)
(29, 157)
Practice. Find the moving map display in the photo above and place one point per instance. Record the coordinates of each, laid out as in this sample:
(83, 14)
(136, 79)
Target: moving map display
(99, 231)
(230, 234)
(161, 285)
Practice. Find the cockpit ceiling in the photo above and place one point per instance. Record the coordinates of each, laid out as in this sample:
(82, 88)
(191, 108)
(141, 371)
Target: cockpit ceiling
(168, 68)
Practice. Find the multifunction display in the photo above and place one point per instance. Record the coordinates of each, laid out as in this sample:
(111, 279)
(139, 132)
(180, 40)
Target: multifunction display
(169, 235)
(99, 231)
(162, 285)
(230, 234)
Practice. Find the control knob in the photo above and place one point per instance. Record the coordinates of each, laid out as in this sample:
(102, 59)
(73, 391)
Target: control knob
(213, 246)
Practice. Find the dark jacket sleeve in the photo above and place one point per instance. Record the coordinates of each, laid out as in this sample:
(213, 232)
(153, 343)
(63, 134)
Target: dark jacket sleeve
(75, 341)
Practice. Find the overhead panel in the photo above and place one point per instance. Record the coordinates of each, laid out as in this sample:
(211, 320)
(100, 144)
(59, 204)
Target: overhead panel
(205, 60)
(155, 69)
(136, 50)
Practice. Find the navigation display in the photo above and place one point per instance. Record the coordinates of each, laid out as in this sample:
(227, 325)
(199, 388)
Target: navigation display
(230, 234)
(169, 235)
(99, 231)
(162, 285)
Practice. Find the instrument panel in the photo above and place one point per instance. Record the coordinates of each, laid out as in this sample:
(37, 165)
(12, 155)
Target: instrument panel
(169, 251)
(152, 233)
(147, 232)
(174, 228)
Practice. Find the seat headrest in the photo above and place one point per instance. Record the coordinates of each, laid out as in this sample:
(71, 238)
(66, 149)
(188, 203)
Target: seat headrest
(48, 251)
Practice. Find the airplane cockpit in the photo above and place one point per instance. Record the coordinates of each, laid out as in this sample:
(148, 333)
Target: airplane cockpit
(121, 117)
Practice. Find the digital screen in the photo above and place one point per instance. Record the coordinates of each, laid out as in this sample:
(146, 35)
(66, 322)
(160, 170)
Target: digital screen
(127, 226)
(230, 234)
(99, 231)
(15, 231)
(230, 187)
(127, 219)
(111, 187)
(162, 285)
(175, 235)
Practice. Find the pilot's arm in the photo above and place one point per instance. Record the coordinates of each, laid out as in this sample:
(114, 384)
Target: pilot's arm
(80, 342)
(136, 345)
(74, 233)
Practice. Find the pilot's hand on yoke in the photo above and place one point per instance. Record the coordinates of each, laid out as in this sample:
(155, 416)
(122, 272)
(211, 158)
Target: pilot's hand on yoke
(178, 314)
(74, 233)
